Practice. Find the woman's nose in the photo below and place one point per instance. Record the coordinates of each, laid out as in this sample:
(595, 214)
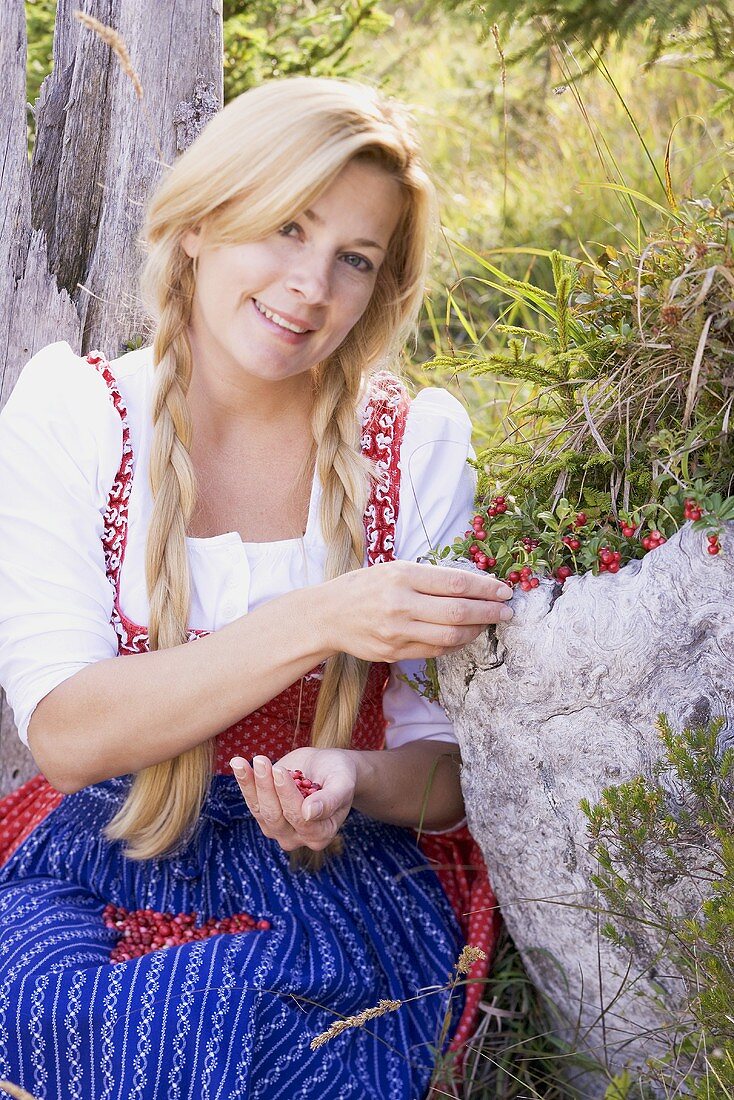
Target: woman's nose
(310, 280)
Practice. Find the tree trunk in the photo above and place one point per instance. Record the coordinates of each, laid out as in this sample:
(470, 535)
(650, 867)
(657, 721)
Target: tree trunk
(69, 257)
(557, 705)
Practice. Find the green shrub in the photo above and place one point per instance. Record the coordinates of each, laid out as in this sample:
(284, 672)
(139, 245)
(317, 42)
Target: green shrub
(648, 834)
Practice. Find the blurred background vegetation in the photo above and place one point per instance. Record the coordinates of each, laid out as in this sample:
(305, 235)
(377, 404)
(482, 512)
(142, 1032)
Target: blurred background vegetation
(582, 127)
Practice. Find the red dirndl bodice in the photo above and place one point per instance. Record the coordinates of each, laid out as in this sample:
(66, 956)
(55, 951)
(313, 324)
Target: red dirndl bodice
(284, 723)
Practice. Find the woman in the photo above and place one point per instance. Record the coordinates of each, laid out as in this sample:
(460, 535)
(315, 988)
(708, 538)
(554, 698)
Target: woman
(228, 485)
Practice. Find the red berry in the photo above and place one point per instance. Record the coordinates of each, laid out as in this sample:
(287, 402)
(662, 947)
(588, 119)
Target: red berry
(513, 577)
(580, 519)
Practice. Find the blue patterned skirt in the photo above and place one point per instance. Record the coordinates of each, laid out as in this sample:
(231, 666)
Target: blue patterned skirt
(231, 1016)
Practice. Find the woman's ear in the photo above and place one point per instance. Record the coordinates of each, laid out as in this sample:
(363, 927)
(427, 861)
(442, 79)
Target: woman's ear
(191, 241)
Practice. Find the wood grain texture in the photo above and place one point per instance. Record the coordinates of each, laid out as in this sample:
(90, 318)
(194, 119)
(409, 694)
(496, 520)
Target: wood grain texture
(554, 707)
(69, 252)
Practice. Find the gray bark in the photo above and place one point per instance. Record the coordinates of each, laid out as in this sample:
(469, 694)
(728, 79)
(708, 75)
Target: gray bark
(557, 705)
(69, 257)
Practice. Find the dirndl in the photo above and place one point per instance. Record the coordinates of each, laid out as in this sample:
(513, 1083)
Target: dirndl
(233, 1015)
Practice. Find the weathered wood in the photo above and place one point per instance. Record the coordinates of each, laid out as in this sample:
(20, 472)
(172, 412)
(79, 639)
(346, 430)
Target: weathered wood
(69, 257)
(554, 707)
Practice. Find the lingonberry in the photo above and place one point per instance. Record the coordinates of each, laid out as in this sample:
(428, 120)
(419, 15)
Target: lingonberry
(514, 577)
(713, 544)
(305, 786)
(692, 509)
(141, 931)
(563, 572)
(581, 520)
(652, 540)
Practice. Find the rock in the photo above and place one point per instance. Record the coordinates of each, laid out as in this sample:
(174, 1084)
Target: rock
(557, 705)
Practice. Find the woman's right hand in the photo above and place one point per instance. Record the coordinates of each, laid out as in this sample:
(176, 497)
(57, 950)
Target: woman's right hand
(401, 610)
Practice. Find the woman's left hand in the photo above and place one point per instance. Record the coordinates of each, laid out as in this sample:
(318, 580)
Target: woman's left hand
(279, 807)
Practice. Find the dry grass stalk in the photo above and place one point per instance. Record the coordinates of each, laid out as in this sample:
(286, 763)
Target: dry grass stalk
(15, 1090)
(354, 1021)
(469, 955)
(116, 42)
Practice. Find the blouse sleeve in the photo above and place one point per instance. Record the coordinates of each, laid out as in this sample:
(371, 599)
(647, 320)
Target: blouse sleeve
(60, 449)
(437, 491)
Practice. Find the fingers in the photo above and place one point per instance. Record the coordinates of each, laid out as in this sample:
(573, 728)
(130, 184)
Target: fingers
(440, 580)
(245, 778)
(279, 807)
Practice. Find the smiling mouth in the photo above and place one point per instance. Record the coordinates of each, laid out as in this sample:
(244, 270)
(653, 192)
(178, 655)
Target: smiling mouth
(271, 315)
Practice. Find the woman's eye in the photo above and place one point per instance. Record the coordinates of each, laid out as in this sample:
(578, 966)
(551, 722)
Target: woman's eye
(353, 259)
(360, 260)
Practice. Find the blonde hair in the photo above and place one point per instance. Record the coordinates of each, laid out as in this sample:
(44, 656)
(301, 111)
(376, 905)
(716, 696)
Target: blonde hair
(238, 181)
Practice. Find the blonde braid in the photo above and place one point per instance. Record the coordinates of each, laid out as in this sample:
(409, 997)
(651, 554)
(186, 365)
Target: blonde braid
(165, 800)
(345, 478)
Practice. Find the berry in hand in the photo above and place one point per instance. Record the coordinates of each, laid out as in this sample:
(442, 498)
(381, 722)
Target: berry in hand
(305, 786)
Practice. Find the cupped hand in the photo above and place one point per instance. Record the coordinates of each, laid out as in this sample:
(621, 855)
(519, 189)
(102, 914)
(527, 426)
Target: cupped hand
(280, 809)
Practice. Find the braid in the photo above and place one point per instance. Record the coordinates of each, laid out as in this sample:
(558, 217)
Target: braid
(165, 800)
(344, 474)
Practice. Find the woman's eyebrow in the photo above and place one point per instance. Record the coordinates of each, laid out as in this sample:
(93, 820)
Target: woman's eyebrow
(362, 241)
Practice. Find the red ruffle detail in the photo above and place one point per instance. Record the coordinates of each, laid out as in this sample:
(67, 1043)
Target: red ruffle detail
(22, 810)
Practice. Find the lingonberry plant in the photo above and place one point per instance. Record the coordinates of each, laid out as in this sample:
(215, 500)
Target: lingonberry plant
(517, 540)
(625, 432)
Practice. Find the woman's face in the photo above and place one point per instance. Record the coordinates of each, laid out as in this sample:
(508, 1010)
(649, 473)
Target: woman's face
(316, 273)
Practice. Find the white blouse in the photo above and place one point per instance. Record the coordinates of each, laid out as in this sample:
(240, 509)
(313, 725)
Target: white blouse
(60, 449)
